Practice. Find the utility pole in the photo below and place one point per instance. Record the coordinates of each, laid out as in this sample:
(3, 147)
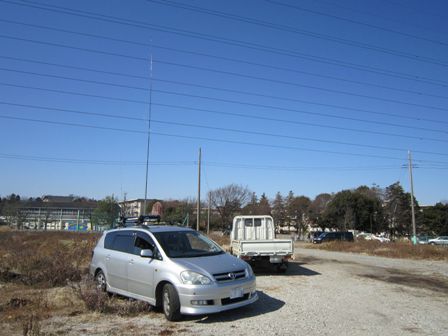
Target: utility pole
(198, 210)
(149, 135)
(208, 212)
(414, 234)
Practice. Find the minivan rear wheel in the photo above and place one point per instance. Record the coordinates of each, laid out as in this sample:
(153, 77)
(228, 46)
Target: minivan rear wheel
(100, 279)
(170, 303)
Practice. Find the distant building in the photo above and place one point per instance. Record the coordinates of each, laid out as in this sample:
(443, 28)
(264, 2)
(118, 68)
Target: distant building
(132, 208)
(58, 213)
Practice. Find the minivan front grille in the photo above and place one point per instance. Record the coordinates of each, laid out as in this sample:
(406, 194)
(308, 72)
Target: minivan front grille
(227, 301)
(229, 276)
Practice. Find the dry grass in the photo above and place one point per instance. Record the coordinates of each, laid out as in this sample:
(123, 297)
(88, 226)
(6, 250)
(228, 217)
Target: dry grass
(221, 239)
(45, 259)
(403, 250)
(97, 301)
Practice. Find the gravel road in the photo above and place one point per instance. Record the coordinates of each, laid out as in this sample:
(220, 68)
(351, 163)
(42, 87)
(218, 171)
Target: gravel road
(323, 293)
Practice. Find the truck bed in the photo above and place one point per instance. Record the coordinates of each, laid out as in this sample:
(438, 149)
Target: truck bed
(271, 247)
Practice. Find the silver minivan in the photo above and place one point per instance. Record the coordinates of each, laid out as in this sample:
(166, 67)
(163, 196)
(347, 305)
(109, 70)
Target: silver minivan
(174, 267)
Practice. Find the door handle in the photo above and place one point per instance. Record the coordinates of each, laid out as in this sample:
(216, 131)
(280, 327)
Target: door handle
(131, 261)
(108, 257)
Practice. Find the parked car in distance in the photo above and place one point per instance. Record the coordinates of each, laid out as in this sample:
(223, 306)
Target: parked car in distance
(332, 236)
(423, 240)
(371, 236)
(441, 240)
(314, 235)
(174, 267)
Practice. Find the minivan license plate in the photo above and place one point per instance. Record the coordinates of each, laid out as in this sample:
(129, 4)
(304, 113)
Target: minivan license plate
(236, 293)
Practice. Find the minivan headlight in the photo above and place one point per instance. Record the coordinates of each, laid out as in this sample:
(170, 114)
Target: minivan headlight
(249, 271)
(193, 278)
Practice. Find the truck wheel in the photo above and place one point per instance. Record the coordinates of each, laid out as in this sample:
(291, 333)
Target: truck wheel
(281, 268)
(170, 303)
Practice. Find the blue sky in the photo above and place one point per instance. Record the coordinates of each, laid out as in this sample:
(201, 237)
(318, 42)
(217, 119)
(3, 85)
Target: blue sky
(308, 96)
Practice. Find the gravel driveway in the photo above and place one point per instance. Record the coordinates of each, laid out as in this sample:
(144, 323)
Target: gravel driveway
(323, 293)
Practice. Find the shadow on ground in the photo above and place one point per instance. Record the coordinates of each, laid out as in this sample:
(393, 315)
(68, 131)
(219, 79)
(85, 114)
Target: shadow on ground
(266, 304)
(294, 269)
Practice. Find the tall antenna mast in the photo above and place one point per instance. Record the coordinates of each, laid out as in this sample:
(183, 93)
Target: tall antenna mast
(149, 135)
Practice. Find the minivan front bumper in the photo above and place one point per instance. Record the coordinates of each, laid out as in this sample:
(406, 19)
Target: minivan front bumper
(196, 300)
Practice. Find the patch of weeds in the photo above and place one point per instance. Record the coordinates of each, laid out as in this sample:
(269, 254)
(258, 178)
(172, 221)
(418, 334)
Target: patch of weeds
(98, 301)
(31, 326)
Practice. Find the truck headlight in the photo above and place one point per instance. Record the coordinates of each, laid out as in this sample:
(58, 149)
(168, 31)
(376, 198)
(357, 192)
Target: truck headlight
(193, 278)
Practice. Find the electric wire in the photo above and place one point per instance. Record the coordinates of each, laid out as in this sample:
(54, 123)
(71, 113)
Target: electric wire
(189, 84)
(235, 114)
(369, 25)
(230, 59)
(207, 37)
(183, 124)
(134, 131)
(230, 73)
(294, 30)
(326, 115)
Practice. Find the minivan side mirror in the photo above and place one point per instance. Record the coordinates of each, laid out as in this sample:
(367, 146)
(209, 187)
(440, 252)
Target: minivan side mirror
(146, 253)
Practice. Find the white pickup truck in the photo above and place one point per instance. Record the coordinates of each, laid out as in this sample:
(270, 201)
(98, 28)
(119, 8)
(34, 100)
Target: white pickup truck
(253, 239)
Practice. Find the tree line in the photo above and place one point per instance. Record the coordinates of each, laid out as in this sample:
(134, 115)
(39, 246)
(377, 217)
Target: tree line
(370, 209)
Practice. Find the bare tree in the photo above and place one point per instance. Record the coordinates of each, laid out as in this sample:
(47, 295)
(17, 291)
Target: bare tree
(228, 200)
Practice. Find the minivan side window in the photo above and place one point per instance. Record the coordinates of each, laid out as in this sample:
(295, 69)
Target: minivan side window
(142, 242)
(109, 239)
(123, 242)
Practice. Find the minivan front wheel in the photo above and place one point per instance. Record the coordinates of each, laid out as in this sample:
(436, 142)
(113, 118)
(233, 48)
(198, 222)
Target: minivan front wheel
(170, 303)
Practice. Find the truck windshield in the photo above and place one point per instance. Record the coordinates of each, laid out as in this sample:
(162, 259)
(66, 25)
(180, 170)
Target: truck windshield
(187, 244)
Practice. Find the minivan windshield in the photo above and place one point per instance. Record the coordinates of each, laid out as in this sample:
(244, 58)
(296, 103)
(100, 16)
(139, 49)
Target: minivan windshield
(186, 244)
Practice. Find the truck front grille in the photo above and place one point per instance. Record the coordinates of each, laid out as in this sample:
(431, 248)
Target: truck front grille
(230, 276)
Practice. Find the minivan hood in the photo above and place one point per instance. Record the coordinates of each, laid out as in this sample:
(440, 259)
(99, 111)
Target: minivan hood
(221, 263)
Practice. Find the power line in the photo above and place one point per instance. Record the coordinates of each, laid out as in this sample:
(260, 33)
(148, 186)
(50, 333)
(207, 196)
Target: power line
(75, 93)
(60, 45)
(369, 25)
(326, 115)
(205, 163)
(300, 85)
(230, 101)
(245, 131)
(426, 81)
(292, 110)
(220, 89)
(304, 32)
(225, 113)
(89, 161)
(377, 16)
(74, 79)
(133, 131)
(207, 37)
(67, 66)
(249, 77)
(263, 95)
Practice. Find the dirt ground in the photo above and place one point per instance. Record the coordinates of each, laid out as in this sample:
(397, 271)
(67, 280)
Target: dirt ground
(323, 293)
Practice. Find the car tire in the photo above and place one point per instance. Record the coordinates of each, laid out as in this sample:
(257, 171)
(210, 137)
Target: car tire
(432, 243)
(170, 303)
(100, 280)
